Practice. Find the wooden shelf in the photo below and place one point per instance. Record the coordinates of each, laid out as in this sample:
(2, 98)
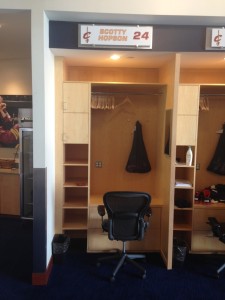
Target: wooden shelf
(182, 227)
(76, 163)
(184, 187)
(79, 183)
(183, 165)
(182, 209)
(210, 206)
(74, 226)
(75, 204)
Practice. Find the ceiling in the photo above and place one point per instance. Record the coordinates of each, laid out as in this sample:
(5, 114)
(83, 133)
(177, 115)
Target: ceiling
(15, 40)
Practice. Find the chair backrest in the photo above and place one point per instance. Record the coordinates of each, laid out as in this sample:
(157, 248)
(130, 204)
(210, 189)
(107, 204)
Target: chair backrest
(126, 212)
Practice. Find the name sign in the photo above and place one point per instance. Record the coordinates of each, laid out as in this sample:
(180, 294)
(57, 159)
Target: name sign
(218, 38)
(115, 36)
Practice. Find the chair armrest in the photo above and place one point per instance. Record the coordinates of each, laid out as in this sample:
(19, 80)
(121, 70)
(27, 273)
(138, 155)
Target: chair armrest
(148, 212)
(101, 210)
(216, 227)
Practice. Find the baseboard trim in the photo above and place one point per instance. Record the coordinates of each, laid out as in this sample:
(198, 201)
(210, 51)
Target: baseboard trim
(42, 278)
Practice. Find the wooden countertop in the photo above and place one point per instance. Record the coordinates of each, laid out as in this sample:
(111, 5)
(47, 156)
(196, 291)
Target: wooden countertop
(97, 199)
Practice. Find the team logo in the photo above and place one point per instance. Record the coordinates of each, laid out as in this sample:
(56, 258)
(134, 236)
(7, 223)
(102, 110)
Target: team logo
(86, 36)
(217, 39)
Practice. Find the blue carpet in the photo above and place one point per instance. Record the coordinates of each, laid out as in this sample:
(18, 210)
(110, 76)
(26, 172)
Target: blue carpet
(78, 278)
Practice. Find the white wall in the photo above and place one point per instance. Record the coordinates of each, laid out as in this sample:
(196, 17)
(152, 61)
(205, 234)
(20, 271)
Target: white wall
(49, 137)
(150, 7)
(44, 114)
(15, 77)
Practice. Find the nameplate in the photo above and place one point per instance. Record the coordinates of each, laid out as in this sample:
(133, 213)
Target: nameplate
(115, 36)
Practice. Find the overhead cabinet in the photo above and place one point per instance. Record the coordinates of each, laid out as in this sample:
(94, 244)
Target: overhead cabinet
(76, 113)
(187, 115)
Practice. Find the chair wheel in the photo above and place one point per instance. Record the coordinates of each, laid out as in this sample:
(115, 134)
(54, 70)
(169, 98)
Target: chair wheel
(112, 279)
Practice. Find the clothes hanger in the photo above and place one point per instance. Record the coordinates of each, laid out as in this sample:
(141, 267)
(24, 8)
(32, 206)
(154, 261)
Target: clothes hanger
(123, 108)
(221, 130)
(204, 103)
(125, 101)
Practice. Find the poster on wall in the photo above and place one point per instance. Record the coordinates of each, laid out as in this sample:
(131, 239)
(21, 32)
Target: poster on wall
(9, 130)
(115, 36)
(15, 112)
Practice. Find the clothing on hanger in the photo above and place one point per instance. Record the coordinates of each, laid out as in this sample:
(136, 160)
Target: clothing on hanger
(217, 164)
(138, 159)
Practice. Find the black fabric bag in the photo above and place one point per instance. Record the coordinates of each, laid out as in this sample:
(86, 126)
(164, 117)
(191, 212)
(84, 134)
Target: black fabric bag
(138, 159)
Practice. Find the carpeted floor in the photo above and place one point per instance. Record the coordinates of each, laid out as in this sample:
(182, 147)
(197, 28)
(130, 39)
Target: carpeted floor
(78, 277)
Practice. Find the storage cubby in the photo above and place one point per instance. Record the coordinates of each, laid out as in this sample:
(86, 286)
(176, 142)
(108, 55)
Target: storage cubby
(181, 155)
(76, 197)
(76, 175)
(75, 219)
(183, 198)
(184, 177)
(183, 220)
(76, 154)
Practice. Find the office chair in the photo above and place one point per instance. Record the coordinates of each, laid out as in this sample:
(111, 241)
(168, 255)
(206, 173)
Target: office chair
(218, 230)
(126, 222)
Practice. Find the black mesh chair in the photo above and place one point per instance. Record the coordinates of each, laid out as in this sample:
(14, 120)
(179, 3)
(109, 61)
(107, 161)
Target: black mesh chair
(126, 222)
(218, 230)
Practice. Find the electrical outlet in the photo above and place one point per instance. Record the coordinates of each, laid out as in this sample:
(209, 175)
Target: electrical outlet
(198, 166)
(98, 164)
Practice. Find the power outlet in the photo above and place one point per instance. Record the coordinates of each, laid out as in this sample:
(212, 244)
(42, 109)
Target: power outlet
(198, 166)
(98, 164)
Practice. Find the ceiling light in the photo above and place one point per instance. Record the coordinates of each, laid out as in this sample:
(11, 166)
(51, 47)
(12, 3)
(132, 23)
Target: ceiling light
(115, 57)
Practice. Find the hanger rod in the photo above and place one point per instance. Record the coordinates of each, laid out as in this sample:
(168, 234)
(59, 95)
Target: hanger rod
(213, 95)
(125, 94)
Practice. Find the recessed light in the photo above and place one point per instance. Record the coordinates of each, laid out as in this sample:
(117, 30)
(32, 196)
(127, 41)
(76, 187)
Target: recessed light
(115, 57)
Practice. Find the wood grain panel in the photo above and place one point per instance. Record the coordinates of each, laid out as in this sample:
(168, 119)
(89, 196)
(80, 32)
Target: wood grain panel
(113, 74)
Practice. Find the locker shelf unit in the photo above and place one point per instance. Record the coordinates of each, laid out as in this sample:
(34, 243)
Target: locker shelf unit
(76, 159)
(183, 196)
(184, 189)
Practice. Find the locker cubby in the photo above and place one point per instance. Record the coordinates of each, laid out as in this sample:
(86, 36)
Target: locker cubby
(76, 154)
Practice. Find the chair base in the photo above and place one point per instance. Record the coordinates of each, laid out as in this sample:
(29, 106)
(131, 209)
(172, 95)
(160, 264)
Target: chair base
(123, 258)
(220, 270)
